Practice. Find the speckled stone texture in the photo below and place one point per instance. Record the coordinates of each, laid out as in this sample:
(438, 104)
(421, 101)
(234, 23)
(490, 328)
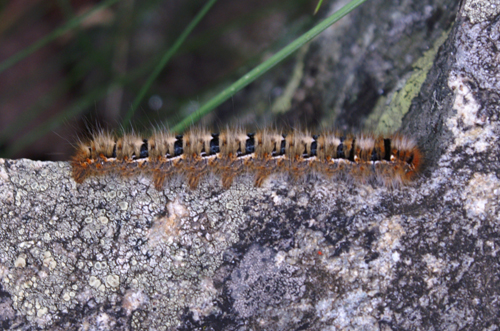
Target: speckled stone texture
(115, 254)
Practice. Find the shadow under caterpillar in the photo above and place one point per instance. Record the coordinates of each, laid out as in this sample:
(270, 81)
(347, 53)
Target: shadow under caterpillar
(390, 161)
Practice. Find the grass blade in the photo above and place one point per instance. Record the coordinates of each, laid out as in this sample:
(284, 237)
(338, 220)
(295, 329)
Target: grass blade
(317, 7)
(164, 60)
(265, 66)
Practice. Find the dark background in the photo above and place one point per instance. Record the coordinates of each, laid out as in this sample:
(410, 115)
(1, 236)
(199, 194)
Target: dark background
(88, 78)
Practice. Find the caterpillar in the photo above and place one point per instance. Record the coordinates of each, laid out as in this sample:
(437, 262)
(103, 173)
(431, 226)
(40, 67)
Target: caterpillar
(367, 158)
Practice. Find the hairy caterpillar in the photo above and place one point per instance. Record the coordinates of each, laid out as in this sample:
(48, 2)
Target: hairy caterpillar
(367, 158)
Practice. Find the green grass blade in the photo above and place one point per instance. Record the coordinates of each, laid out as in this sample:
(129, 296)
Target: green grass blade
(318, 6)
(71, 24)
(164, 60)
(265, 66)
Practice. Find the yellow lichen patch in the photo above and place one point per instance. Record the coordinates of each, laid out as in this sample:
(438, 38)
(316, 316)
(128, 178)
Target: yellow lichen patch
(388, 114)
